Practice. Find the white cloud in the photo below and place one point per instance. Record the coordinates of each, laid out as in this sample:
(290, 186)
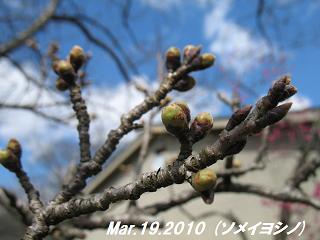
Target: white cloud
(165, 5)
(239, 50)
(161, 5)
(24, 125)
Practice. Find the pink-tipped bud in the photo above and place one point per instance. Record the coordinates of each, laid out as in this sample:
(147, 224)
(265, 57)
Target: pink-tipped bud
(185, 109)
(201, 126)
(174, 119)
(204, 61)
(274, 115)
(204, 180)
(190, 52)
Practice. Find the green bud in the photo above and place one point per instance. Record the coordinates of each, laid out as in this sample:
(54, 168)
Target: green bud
(173, 59)
(185, 109)
(207, 60)
(15, 147)
(204, 61)
(4, 156)
(61, 84)
(65, 70)
(185, 84)
(64, 67)
(201, 126)
(77, 57)
(9, 160)
(174, 119)
(190, 52)
(204, 180)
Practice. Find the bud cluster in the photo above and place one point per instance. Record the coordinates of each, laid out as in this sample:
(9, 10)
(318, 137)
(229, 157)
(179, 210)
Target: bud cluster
(10, 157)
(67, 69)
(176, 119)
(192, 58)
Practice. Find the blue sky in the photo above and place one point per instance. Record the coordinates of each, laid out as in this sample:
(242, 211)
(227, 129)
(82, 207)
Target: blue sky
(226, 28)
(179, 23)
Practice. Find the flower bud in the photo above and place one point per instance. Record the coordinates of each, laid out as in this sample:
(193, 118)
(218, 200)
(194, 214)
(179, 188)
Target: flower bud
(185, 84)
(190, 52)
(288, 92)
(185, 109)
(61, 84)
(4, 156)
(65, 70)
(174, 119)
(237, 117)
(77, 57)
(201, 126)
(173, 59)
(236, 163)
(236, 147)
(274, 115)
(204, 61)
(204, 179)
(15, 147)
(280, 91)
(207, 196)
(9, 160)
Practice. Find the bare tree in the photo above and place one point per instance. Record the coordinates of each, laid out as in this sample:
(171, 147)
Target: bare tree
(245, 121)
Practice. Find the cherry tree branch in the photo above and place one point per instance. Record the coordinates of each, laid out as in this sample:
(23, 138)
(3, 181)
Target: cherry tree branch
(94, 166)
(230, 141)
(33, 195)
(80, 108)
(89, 35)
